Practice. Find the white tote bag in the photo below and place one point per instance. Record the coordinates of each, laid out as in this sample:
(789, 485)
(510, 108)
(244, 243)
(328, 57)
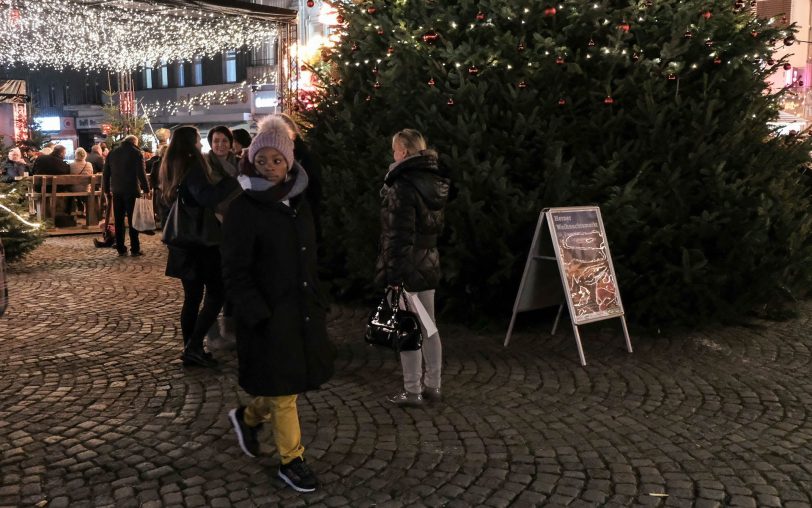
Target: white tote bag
(143, 216)
(416, 306)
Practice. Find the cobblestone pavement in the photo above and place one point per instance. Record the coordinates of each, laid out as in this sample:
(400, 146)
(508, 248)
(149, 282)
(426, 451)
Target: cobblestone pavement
(96, 409)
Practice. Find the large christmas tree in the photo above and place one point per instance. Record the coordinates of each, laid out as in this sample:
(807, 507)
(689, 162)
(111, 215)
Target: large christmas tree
(657, 111)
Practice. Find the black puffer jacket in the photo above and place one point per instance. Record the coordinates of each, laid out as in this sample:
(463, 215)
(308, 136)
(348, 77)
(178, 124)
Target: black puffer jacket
(412, 216)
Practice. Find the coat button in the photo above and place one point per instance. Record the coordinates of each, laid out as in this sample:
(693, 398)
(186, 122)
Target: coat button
(304, 284)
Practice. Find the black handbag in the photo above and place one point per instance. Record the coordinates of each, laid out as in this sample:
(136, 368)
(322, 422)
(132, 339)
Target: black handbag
(393, 327)
(190, 225)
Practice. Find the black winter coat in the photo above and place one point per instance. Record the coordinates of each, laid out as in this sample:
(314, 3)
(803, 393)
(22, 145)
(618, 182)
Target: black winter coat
(191, 263)
(412, 216)
(124, 171)
(269, 269)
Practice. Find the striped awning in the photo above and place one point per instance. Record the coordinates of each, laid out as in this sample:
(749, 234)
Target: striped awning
(13, 90)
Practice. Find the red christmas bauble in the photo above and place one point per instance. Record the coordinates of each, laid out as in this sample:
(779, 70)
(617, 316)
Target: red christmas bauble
(450, 101)
(522, 84)
(591, 43)
(371, 9)
(430, 37)
(625, 26)
(375, 70)
(559, 60)
(369, 98)
(754, 33)
(380, 31)
(549, 11)
(787, 66)
(608, 100)
(800, 82)
(390, 50)
(789, 41)
(326, 55)
(521, 47)
(376, 85)
(431, 82)
(688, 34)
(717, 60)
(311, 3)
(709, 43)
(303, 67)
(635, 57)
(340, 19)
(707, 15)
(473, 70)
(770, 61)
(481, 16)
(672, 77)
(562, 101)
(354, 46)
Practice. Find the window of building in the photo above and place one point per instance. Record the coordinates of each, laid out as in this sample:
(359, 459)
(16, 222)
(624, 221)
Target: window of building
(230, 60)
(181, 74)
(164, 73)
(198, 71)
(66, 94)
(147, 77)
(52, 95)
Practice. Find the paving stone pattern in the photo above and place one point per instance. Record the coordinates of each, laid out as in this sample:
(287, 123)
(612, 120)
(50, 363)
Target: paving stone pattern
(96, 409)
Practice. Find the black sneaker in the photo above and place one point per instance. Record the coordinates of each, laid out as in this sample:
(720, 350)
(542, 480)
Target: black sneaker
(198, 359)
(246, 436)
(298, 475)
(136, 254)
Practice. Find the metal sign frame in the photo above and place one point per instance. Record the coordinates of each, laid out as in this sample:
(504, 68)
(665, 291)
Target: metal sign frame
(547, 215)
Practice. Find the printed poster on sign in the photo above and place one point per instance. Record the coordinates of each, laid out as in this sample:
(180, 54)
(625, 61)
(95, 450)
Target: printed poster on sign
(585, 263)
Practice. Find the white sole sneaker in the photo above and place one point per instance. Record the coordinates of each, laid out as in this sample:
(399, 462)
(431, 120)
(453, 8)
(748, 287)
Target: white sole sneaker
(295, 487)
(232, 415)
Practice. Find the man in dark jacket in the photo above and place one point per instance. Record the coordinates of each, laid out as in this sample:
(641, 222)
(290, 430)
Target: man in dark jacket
(124, 170)
(95, 159)
(52, 163)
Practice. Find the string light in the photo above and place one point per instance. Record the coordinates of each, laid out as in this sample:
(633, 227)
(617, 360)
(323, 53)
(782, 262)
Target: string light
(109, 36)
(207, 99)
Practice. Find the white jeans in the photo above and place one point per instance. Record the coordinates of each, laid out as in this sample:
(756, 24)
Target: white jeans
(432, 353)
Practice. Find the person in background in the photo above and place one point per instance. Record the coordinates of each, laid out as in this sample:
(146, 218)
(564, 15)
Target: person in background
(154, 169)
(186, 177)
(80, 166)
(106, 151)
(305, 157)
(223, 164)
(13, 167)
(269, 268)
(52, 163)
(414, 194)
(242, 140)
(123, 173)
(95, 158)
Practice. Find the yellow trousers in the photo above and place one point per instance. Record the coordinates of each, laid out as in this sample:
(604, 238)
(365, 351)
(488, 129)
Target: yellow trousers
(283, 416)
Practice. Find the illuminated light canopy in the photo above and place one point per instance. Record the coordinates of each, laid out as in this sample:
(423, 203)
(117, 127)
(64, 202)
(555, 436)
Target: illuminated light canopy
(119, 36)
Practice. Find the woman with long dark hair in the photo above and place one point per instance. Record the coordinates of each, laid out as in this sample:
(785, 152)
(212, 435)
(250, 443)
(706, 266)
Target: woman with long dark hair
(185, 176)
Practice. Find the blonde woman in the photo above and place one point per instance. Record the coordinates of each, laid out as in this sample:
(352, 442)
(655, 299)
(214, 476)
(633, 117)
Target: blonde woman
(414, 195)
(80, 166)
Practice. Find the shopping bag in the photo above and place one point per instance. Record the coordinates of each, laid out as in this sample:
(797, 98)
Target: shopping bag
(143, 216)
(428, 325)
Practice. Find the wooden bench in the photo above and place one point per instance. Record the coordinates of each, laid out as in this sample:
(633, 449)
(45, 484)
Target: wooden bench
(46, 190)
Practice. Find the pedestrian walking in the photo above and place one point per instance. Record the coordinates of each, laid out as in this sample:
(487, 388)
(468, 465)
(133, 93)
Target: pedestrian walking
(414, 195)
(223, 163)
(123, 180)
(187, 179)
(269, 267)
